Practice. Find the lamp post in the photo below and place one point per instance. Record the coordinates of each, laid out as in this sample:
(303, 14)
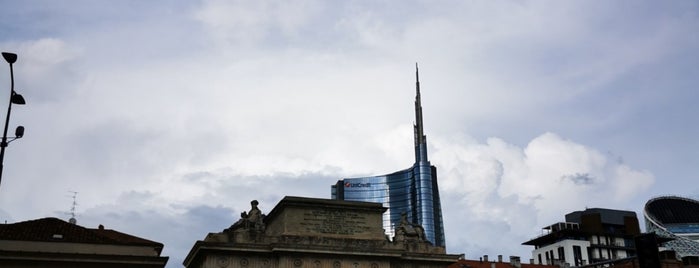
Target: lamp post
(15, 98)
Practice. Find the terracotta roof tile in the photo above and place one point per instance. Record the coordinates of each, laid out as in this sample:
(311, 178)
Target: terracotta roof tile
(122, 237)
(57, 230)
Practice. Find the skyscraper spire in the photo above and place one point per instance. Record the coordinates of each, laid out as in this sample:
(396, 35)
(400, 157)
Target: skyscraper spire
(417, 76)
(420, 139)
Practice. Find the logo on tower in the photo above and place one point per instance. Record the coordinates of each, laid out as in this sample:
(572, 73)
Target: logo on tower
(357, 184)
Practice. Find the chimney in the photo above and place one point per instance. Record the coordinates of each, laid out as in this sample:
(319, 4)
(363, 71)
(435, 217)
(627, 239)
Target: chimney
(531, 261)
(515, 261)
(499, 258)
(485, 258)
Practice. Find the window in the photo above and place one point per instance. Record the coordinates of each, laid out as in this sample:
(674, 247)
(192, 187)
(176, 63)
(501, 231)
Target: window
(552, 257)
(577, 255)
(561, 254)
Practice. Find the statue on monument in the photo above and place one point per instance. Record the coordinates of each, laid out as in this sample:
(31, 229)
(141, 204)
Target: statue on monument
(251, 220)
(408, 231)
(248, 227)
(255, 217)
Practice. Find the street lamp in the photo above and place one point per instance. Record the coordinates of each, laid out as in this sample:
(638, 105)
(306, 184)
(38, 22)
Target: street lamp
(16, 99)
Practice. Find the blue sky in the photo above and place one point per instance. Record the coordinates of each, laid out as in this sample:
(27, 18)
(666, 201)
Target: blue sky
(168, 117)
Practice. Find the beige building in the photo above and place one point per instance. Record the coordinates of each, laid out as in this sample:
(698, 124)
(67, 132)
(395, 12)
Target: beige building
(51, 242)
(310, 232)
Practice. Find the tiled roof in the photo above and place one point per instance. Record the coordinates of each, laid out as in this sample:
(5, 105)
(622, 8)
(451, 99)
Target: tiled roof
(57, 230)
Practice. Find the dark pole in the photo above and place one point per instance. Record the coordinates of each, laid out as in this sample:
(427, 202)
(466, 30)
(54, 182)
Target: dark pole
(11, 58)
(3, 143)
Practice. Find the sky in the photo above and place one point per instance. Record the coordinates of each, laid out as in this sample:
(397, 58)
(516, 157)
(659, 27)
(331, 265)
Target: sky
(168, 117)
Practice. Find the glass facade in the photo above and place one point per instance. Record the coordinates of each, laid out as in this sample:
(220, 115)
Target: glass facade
(402, 191)
(676, 218)
(413, 190)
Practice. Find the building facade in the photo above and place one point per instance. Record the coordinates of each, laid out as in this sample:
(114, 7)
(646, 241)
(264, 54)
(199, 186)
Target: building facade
(316, 233)
(676, 218)
(587, 237)
(52, 242)
(413, 191)
(499, 263)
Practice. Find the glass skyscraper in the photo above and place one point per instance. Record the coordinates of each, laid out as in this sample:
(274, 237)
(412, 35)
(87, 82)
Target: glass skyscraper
(413, 190)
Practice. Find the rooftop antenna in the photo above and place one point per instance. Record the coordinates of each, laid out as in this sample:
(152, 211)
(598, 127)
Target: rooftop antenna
(72, 219)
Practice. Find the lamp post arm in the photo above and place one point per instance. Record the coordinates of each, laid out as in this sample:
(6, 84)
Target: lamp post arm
(3, 143)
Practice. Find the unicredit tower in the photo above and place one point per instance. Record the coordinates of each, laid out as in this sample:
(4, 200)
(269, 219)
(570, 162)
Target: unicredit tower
(413, 190)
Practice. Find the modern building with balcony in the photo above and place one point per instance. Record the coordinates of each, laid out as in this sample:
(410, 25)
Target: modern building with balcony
(587, 237)
(412, 191)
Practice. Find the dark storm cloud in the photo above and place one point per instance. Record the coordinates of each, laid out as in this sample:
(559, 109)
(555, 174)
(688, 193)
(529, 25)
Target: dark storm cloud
(178, 231)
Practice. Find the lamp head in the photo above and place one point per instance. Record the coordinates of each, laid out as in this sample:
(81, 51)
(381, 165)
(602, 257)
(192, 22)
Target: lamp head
(17, 99)
(19, 132)
(9, 57)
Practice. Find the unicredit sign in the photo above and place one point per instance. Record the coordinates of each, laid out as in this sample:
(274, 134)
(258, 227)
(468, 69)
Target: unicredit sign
(357, 184)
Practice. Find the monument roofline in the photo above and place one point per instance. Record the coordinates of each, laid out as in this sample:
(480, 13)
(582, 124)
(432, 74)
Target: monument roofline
(296, 201)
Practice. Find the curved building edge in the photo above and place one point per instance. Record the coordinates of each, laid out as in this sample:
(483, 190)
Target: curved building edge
(676, 218)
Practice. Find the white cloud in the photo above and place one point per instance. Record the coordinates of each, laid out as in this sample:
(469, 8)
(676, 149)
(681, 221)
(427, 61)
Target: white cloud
(236, 23)
(629, 182)
(46, 69)
(48, 52)
(514, 191)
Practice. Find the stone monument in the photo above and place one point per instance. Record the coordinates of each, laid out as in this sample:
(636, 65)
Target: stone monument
(311, 232)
